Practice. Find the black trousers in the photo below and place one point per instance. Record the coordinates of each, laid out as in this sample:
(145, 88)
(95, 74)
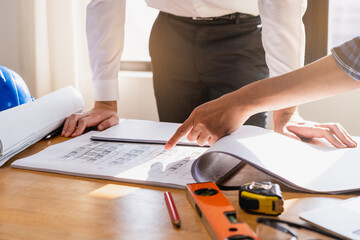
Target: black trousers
(195, 61)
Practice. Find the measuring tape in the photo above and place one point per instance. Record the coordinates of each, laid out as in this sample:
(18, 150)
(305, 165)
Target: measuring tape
(263, 197)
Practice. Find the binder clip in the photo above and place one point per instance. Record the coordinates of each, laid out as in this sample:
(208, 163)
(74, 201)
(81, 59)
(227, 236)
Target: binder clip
(216, 212)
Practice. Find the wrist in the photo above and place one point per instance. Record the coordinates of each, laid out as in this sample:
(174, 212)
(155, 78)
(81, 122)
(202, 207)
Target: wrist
(247, 104)
(110, 105)
(290, 113)
(284, 116)
(285, 113)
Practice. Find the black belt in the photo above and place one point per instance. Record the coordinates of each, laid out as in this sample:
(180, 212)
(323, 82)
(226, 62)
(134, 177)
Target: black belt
(233, 17)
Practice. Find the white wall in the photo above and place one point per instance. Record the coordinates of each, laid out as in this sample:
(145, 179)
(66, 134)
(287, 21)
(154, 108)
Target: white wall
(343, 108)
(9, 55)
(136, 96)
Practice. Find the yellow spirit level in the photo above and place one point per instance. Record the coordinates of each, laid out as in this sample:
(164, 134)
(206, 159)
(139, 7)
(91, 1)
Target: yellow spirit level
(217, 213)
(264, 198)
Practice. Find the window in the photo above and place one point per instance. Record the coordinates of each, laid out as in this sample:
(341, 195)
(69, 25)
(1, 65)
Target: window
(138, 23)
(344, 21)
(329, 23)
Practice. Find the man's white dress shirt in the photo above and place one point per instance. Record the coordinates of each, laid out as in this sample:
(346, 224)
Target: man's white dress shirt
(283, 33)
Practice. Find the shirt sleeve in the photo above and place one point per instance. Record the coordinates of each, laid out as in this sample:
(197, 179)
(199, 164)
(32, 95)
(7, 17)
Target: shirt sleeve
(347, 56)
(283, 34)
(105, 20)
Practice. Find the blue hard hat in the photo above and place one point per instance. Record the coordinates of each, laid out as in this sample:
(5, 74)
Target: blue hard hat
(13, 89)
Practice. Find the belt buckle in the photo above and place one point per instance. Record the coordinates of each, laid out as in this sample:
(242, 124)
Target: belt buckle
(203, 18)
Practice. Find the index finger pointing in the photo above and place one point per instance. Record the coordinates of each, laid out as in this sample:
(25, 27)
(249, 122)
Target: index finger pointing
(180, 132)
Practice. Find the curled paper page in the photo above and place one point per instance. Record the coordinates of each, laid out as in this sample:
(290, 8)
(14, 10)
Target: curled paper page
(24, 125)
(301, 166)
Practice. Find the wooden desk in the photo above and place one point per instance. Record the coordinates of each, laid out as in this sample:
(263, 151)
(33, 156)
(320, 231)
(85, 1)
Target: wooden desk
(37, 205)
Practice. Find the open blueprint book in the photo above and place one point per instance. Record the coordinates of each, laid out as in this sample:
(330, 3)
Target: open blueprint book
(26, 124)
(148, 164)
(300, 165)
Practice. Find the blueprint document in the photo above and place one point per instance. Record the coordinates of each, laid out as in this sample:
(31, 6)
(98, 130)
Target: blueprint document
(24, 125)
(147, 164)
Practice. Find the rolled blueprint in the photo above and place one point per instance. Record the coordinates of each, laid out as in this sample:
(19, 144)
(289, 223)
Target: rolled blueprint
(24, 125)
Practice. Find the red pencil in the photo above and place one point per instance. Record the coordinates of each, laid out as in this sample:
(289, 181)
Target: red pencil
(172, 209)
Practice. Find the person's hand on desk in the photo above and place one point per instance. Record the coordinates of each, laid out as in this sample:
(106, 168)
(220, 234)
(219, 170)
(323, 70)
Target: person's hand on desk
(210, 121)
(289, 123)
(317, 80)
(103, 115)
(215, 119)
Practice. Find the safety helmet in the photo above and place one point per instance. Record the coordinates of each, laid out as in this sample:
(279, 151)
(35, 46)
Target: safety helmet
(13, 89)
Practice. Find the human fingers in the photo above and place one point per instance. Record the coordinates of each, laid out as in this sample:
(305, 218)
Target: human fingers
(340, 132)
(71, 123)
(329, 136)
(291, 135)
(284, 131)
(316, 132)
(203, 138)
(82, 124)
(104, 120)
(180, 132)
(65, 127)
(111, 121)
(194, 133)
(212, 140)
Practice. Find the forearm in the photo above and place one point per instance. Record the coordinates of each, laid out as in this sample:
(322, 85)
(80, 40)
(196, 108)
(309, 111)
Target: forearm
(283, 41)
(313, 82)
(105, 35)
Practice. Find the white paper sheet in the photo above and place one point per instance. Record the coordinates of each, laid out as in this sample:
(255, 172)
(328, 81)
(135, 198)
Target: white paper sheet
(129, 162)
(301, 165)
(340, 218)
(26, 124)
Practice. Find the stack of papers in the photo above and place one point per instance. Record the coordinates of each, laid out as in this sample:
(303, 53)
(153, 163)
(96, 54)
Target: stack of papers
(141, 131)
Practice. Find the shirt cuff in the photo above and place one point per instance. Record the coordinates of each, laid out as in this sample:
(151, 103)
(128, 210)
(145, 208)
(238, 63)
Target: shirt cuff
(106, 90)
(347, 56)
